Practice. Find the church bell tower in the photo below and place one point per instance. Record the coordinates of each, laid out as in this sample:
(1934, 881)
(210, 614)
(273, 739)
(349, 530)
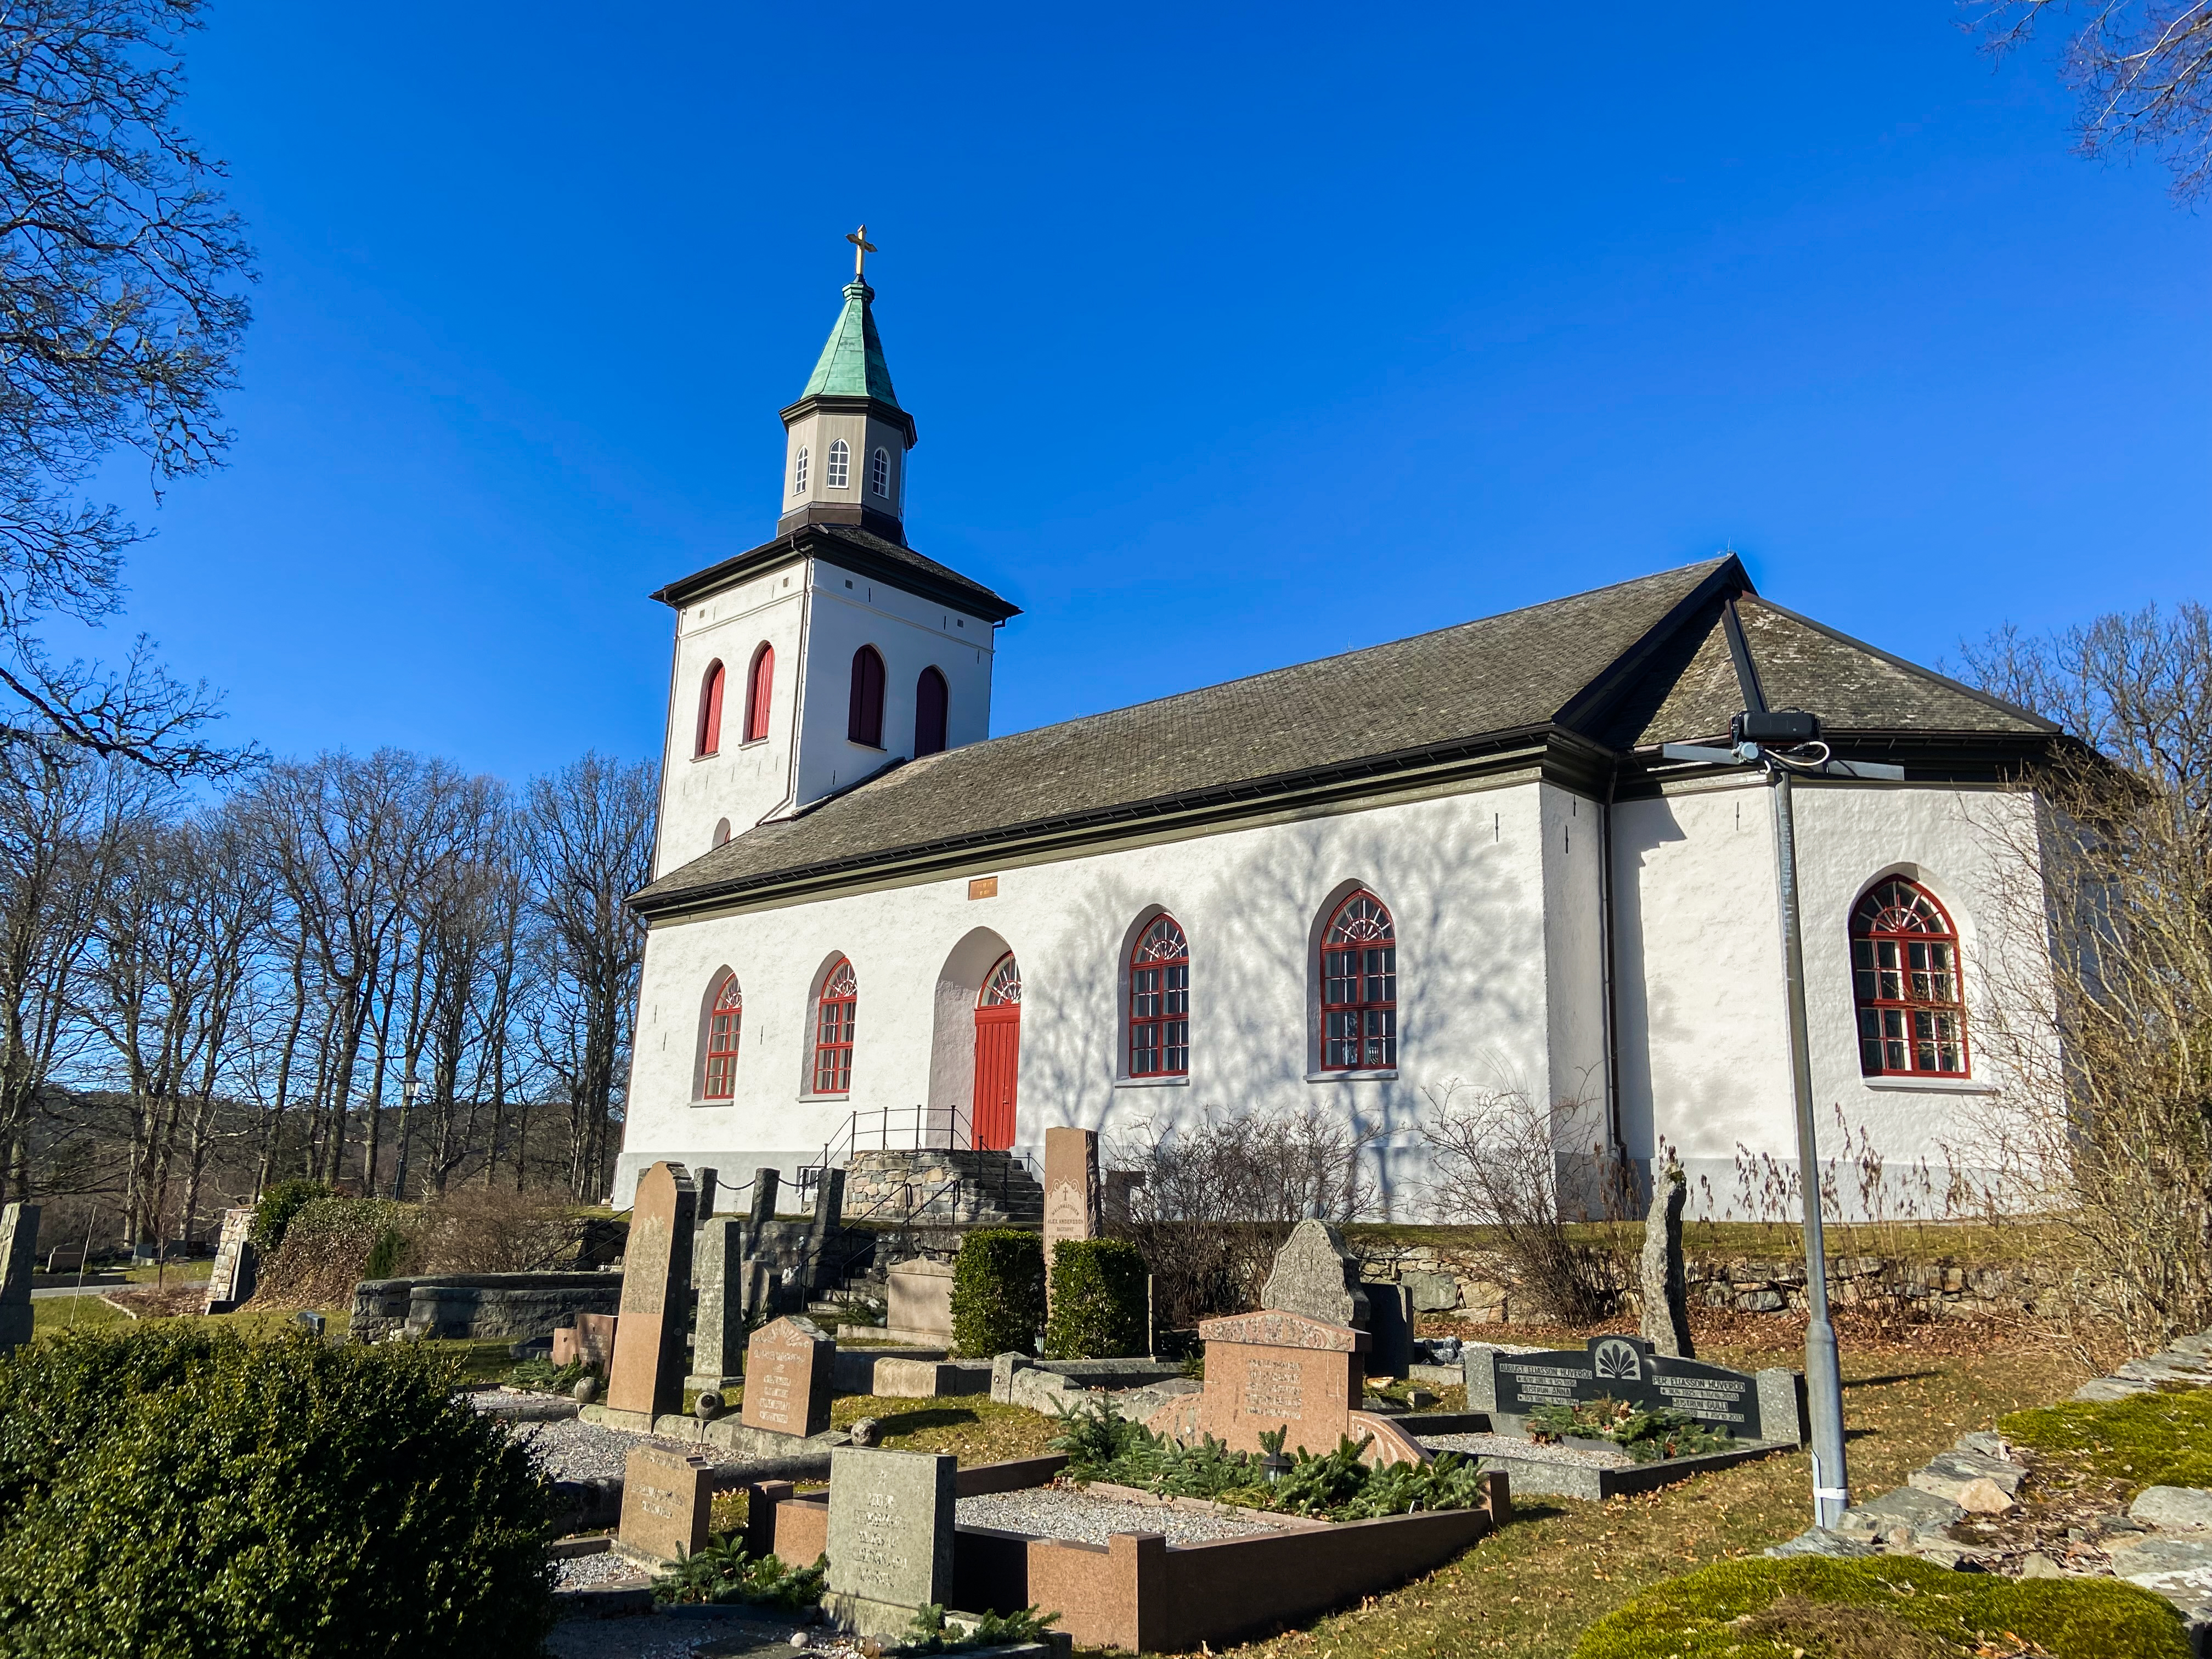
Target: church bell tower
(846, 439)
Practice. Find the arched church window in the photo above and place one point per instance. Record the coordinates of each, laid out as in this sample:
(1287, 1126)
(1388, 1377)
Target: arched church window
(833, 1030)
(1159, 1002)
(1359, 987)
(761, 683)
(710, 713)
(1905, 977)
(864, 721)
(879, 473)
(799, 473)
(721, 830)
(931, 700)
(722, 1027)
(839, 471)
(1004, 987)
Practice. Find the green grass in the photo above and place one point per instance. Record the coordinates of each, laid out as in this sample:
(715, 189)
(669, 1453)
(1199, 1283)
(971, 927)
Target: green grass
(2160, 1439)
(50, 1313)
(1892, 1609)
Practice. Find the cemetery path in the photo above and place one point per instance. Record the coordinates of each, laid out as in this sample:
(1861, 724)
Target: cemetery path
(1529, 1592)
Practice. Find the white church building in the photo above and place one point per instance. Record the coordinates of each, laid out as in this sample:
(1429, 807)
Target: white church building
(1344, 885)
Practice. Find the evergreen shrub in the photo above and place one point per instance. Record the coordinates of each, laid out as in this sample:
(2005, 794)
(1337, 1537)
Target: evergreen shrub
(1894, 1605)
(176, 1491)
(998, 1292)
(330, 1245)
(1099, 1307)
(278, 1204)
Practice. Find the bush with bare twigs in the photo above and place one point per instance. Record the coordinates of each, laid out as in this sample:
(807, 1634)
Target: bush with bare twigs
(1210, 1203)
(496, 1229)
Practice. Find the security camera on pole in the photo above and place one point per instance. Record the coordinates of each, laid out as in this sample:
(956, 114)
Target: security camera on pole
(1784, 743)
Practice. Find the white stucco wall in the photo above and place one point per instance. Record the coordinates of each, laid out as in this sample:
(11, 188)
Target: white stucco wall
(1703, 1056)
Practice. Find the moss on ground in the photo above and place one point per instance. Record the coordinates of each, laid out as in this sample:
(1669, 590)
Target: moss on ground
(2159, 1439)
(1892, 1608)
(975, 1426)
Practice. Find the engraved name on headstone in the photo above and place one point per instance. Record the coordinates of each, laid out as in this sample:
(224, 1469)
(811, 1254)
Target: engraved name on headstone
(667, 1498)
(1271, 1370)
(1314, 1276)
(1071, 1189)
(718, 1335)
(1750, 1407)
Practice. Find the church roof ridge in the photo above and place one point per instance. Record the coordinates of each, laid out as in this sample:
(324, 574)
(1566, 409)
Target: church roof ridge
(852, 364)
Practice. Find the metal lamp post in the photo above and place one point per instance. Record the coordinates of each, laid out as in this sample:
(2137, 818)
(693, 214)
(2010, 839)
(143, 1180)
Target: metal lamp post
(1799, 733)
(410, 1087)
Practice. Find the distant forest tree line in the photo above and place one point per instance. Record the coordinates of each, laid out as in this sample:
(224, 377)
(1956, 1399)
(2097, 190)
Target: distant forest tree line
(197, 998)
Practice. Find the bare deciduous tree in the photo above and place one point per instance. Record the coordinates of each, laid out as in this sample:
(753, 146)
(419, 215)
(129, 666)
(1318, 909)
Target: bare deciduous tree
(2142, 69)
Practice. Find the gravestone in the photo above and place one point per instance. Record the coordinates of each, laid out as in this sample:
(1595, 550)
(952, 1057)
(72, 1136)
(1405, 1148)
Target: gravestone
(1390, 1330)
(718, 1332)
(706, 1181)
(237, 1263)
(919, 1301)
(787, 1371)
(1766, 1406)
(1071, 1189)
(667, 1496)
(765, 1183)
(649, 1360)
(1316, 1276)
(890, 1539)
(1666, 1320)
(591, 1339)
(19, 1259)
(1279, 1370)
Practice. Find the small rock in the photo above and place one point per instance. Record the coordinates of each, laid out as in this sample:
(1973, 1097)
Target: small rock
(1908, 1506)
(586, 1389)
(2173, 1509)
(1816, 1541)
(1988, 1442)
(2037, 1565)
(801, 1640)
(866, 1431)
(707, 1406)
(2105, 1388)
(1948, 1473)
(1982, 1497)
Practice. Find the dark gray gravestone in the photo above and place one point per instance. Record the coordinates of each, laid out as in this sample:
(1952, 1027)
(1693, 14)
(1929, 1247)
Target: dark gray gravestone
(765, 1183)
(1390, 1327)
(705, 1181)
(718, 1336)
(1763, 1405)
(18, 1258)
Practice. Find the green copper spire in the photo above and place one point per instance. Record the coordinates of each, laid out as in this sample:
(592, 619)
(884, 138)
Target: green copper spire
(852, 363)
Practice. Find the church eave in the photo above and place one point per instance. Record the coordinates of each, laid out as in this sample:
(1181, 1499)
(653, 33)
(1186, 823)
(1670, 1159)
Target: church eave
(846, 403)
(817, 541)
(1564, 758)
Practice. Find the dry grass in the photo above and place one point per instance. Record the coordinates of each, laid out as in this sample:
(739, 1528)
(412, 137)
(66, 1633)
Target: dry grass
(1531, 1590)
(1911, 1241)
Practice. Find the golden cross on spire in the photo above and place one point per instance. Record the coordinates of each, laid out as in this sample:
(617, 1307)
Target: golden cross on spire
(862, 247)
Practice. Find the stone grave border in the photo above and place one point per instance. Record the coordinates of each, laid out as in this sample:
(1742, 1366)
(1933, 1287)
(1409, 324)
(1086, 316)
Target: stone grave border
(1139, 1593)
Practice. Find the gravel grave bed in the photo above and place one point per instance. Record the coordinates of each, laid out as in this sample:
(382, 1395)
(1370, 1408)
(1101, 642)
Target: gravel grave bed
(576, 1450)
(580, 1571)
(1511, 1445)
(657, 1636)
(1083, 1518)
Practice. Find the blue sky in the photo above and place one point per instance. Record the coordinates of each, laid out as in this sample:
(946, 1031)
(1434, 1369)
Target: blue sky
(1235, 336)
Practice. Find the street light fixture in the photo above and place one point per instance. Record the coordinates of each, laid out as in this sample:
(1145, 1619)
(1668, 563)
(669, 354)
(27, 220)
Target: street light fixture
(1783, 743)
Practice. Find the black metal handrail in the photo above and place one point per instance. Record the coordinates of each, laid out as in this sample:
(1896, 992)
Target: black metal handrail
(915, 1129)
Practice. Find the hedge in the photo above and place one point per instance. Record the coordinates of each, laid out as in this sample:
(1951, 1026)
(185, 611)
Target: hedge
(278, 1204)
(178, 1490)
(998, 1292)
(1100, 1304)
(329, 1246)
(1895, 1606)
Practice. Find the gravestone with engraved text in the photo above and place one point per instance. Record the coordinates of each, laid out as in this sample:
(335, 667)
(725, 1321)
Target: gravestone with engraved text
(1071, 1189)
(1314, 1276)
(665, 1499)
(718, 1332)
(1763, 1405)
(649, 1359)
(890, 1537)
(788, 1365)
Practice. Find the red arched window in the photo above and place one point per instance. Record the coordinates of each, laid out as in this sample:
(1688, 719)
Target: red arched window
(865, 723)
(833, 1030)
(761, 684)
(1905, 977)
(931, 702)
(1159, 1002)
(710, 711)
(722, 1041)
(1359, 987)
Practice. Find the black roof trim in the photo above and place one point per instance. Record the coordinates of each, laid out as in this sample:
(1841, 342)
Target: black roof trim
(856, 549)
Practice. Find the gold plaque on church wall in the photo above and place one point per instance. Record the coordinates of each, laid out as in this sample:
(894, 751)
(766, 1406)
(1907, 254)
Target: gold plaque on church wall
(983, 887)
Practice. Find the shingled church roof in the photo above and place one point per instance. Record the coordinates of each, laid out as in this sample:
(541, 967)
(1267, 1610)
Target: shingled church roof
(1607, 673)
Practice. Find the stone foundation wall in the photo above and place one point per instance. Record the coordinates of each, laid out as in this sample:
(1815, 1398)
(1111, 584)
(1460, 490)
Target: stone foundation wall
(905, 1184)
(1480, 1285)
(460, 1305)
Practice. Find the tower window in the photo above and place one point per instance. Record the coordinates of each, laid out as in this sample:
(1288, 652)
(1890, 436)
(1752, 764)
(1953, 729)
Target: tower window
(722, 1041)
(710, 713)
(931, 702)
(1904, 975)
(864, 721)
(839, 472)
(1359, 987)
(799, 473)
(879, 473)
(762, 684)
(833, 1030)
(1159, 1002)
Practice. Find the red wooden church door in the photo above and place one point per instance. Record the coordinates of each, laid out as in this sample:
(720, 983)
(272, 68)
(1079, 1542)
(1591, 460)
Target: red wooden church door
(998, 1053)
